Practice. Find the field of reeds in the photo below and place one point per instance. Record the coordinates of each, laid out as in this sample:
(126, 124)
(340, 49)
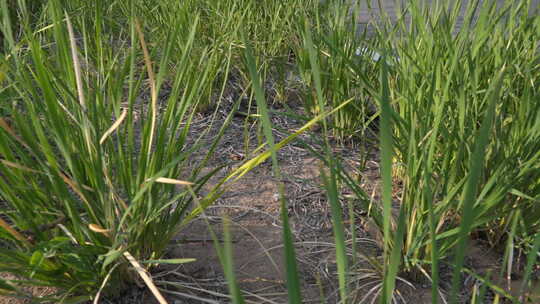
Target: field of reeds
(293, 151)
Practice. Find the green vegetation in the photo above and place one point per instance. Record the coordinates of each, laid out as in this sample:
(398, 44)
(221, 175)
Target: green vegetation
(99, 169)
(91, 170)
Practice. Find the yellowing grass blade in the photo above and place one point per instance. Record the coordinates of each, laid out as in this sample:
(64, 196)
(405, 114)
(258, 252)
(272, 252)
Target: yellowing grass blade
(76, 63)
(75, 189)
(152, 79)
(4, 125)
(13, 232)
(103, 284)
(115, 125)
(252, 163)
(172, 181)
(146, 278)
(98, 229)
(17, 166)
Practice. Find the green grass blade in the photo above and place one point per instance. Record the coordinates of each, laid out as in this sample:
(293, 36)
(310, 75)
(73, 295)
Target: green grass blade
(395, 259)
(386, 147)
(227, 260)
(225, 254)
(476, 165)
(330, 181)
(339, 234)
(293, 281)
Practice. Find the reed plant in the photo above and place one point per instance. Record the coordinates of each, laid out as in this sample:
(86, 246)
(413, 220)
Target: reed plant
(464, 143)
(270, 26)
(97, 158)
(441, 88)
(95, 164)
(458, 136)
(338, 45)
(97, 170)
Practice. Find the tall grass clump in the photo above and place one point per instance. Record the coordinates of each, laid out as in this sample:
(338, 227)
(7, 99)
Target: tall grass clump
(458, 129)
(269, 26)
(465, 139)
(95, 164)
(97, 159)
(339, 48)
(441, 88)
